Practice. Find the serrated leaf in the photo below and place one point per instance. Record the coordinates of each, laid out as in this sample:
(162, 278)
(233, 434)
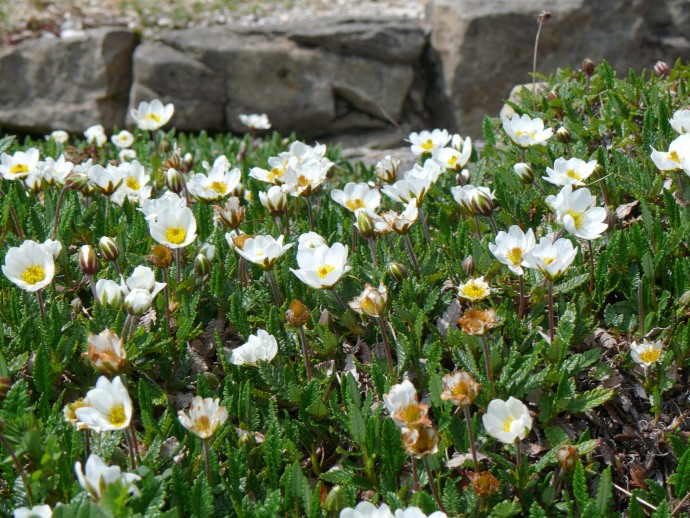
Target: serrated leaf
(590, 399)
(201, 498)
(580, 491)
(604, 492)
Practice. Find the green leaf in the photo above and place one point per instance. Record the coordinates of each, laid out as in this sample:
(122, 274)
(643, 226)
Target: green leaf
(681, 478)
(604, 492)
(662, 510)
(506, 509)
(590, 399)
(202, 498)
(580, 491)
(536, 512)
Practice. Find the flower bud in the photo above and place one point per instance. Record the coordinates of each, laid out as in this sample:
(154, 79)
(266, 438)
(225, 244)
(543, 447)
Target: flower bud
(563, 135)
(174, 181)
(661, 69)
(483, 204)
(485, 484)
(397, 271)
(208, 250)
(298, 314)
(211, 380)
(188, 159)
(567, 456)
(77, 305)
(109, 248)
(468, 265)
(202, 266)
(588, 67)
(465, 173)
(365, 224)
(108, 292)
(87, 260)
(232, 215)
(76, 180)
(598, 171)
(164, 145)
(524, 172)
(161, 256)
(684, 299)
(387, 169)
(336, 500)
(5, 386)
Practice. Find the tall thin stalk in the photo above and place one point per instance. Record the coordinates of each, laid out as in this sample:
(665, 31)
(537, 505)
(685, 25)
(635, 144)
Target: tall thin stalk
(386, 345)
(551, 318)
(422, 219)
(207, 459)
(521, 307)
(39, 296)
(277, 295)
(432, 483)
(305, 352)
(413, 257)
(372, 247)
(468, 420)
(339, 299)
(15, 218)
(166, 292)
(591, 266)
(543, 16)
(487, 362)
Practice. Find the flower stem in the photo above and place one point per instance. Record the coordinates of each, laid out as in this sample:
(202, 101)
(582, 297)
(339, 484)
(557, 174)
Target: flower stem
(386, 345)
(279, 224)
(521, 308)
(432, 483)
(305, 352)
(591, 266)
(18, 465)
(287, 221)
(339, 300)
(354, 239)
(311, 214)
(166, 292)
(468, 420)
(493, 223)
(372, 247)
(518, 462)
(178, 260)
(277, 295)
(57, 210)
(16, 219)
(476, 224)
(534, 64)
(39, 296)
(551, 319)
(487, 362)
(133, 433)
(87, 442)
(92, 284)
(640, 306)
(415, 477)
(422, 218)
(413, 257)
(207, 459)
(130, 444)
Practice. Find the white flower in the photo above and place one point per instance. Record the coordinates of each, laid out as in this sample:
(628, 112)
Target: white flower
(216, 185)
(412, 186)
(98, 476)
(323, 266)
(301, 179)
(426, 141)
(259, 347)
(208, 250)
(551, 258)
(138, 301)
(681, 121)
(569, 172)
(111, 406)
(30, 266)
(18, 165)
(169, 200)
(38, 511)
(387, 169)
(174, 228)
(255, 121)
(416, 512)
(152, 116)
(310, 240)
(126, 155)
(474, 290)
(123, 140)
(401, 223)
(525, 131)
(108, 292)
(55, 171)
(53, 247)
(59, 136)
(105, 179)
(275, 200)
(371, 302)
(646, 353)
(106, 351)
(511, 248)
(367, 510)
(134, 185)
(263, 251)
(357, 196)
(205, 417)
(575, 210)
(475, 200)
(403, 406)
(96, 134)
(508, 421)
(453, 158)
(677, 157)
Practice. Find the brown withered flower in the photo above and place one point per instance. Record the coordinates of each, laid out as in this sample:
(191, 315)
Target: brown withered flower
(567, 456)
(232, 214)
(298, 314)
(371, 302)
(161, 256)
(485, 484)
(106, 352)
(420, 442)
(460, 388)
(477, 321)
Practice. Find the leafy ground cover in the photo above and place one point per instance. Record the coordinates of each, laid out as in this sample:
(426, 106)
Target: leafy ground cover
(502, 345)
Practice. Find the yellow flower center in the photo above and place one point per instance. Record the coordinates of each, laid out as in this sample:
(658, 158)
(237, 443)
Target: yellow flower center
(152, 117)
(276, 172)
(33, 274)
(650, 355)
(474, 291)
(548, 260)
(428, 145)
(203, 425)
(19, 169)
(368, 306)
(117, 415)
(507, 423)
(571, 173)
(515, 256)
(353, 205)
(520, 133)
(303, 181)
(219, 187)
(176, 235)
(323, 271)
(452, 160)
(577, 217)
(133, 183)
(673, 157)
(411, 413)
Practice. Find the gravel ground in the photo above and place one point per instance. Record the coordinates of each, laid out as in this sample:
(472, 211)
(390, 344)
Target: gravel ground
(21, 19)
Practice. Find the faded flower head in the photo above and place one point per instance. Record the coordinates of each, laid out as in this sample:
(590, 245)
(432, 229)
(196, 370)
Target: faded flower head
(421, 441)
(106, 352)
(371, 302)
(460, 388)
(404, 407)
(477, 321)
(204, 418)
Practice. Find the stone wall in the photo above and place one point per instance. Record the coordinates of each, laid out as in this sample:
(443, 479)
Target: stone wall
(336, 77)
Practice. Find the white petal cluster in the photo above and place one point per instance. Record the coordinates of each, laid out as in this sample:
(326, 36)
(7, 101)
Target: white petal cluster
(507, 421)
(110, 406)
(426, 141)
(96, 135)
(676, 158)
(219, 181)
(135, 184)
(646, 353)
(38, 511)
(551, 258)
(255, 121)
(511, 248)
(122, 140)
(680, 121)
(569, 172)
(263, 251)
(152, 116)
(19, 165)
(369, 510)
(323, 266)
(30, 266)
(259, 347)
(98, 476)
(357, 196)
(576, 211)
(205, 416)
(525, 131)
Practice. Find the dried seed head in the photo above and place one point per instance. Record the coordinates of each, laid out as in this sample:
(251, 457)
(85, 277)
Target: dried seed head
(109, 248)
(232, 214)
(477, 321)
(485, 484)
(544, 17)
(161, 256)
(588, 67)
(298, 314)
(88, 260)
(567, 456)
(420, 442)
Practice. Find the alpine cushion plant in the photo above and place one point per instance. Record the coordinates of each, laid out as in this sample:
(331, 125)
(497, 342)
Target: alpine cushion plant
(506, 397)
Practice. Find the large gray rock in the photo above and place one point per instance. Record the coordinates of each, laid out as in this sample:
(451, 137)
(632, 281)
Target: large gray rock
(213, 75)
(482, 49)
(69, 84)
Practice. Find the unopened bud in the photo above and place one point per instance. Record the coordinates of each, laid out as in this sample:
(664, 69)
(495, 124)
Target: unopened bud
(598, 171)
(567, 456)
(588, 67)
(387, 169)
(468, 265)
(336, 500)
(161, 256)
(109, 248)
(5, 386)
(208, 250)
(211, 380)
(87, 260)
(483, 204)
(661, 69)
(173, 181)
(685, 299)
(76, 180)
(77, 306)
(364, 224)
(563, 135)
(138, 301)
(188, 159)
(164, 145)
(202, 266)
(524, 172)
(232, 214)
(397, 271)
(298, 314)
(553, 94)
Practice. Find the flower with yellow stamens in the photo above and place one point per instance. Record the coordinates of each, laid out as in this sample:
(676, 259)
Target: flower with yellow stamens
(426, 141)
(30, 266)
(404, 407)
(356, 196)
(460, 388)
(371, 302)
(150, 117)
(323, 266)
(474, 290)
(205, 417)
(508, 421)
(511, 247)
(18, 165)
(646, 353)
(525, 131)
(477, 321)
(174, 228)
(111, 406)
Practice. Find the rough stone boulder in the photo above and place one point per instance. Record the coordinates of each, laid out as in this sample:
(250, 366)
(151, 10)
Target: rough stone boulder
(484, 48)
(69, 84)
(311, 82)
